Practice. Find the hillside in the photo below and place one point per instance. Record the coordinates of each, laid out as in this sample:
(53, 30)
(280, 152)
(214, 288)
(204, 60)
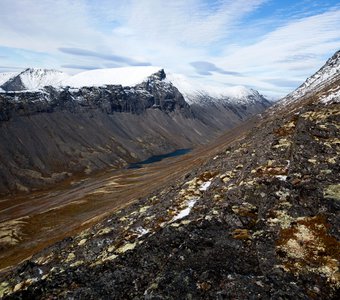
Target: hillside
(255, 217)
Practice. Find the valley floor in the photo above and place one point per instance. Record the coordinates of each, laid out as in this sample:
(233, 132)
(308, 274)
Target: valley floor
(31, 222)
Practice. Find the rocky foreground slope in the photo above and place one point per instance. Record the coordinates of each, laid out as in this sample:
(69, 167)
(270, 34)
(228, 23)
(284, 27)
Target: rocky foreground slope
(258, 220)
(52, 133)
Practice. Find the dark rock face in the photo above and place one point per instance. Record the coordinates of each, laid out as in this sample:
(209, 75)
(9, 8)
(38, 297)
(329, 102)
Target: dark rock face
(14, 84)
(50, 134)
(258, 220)
(153, 93)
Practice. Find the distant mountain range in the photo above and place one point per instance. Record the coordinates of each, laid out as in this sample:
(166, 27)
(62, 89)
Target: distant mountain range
(37, 79)
(54, 125)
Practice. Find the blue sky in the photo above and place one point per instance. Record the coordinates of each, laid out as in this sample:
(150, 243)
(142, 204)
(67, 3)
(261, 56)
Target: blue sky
(269, 45)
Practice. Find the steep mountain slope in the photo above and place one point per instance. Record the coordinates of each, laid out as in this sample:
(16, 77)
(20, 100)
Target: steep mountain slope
(32, 79)
(52, 133)
(328, 74)
(258, 219)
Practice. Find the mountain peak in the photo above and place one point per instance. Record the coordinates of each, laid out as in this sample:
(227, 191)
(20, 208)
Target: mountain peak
(33, 79)
(194, 92)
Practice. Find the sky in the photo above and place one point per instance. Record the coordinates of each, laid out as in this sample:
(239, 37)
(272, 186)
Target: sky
(269, 45)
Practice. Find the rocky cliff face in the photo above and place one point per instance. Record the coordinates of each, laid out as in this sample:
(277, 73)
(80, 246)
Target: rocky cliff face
(258, 220)
(49, 134)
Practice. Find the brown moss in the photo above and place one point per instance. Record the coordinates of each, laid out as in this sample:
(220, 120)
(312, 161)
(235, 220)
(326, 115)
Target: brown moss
(246, 210)
(207, 175)
(271, 171)
(288, 128)
(282, 131)
(306, 246)
(241, 234)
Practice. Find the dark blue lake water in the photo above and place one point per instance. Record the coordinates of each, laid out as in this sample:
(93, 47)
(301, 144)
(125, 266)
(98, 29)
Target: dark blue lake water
(156, 158)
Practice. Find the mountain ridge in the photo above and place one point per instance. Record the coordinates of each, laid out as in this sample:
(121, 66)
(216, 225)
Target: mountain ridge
(53, 132)
(125, 76)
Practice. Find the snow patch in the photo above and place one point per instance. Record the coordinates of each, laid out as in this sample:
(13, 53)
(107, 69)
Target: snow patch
(142, 231)
(185, 212)
(281, 177)
(204, 186)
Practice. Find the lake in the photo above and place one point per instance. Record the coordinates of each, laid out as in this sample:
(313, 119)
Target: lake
(156, 158)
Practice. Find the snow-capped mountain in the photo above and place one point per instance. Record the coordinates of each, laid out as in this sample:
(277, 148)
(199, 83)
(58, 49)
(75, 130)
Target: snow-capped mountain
(194, 92)
(31, 79)
(329, 72)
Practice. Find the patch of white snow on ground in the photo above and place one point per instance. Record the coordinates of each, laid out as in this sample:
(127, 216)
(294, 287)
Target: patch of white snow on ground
(142, 231)
(281, 177)
(204, 186)
(185, 212)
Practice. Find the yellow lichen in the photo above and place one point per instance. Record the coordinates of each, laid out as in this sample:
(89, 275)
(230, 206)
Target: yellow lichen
(4, 288)
(82, 242)
(126, 247)
(332, 192)
(104, 231)
(70, 257)
(144, 209)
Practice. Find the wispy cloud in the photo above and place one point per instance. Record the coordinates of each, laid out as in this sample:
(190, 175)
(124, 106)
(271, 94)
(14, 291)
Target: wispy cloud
(208, 68)
(271, 45)
(115, 58)
(79, 67)
(283, 82)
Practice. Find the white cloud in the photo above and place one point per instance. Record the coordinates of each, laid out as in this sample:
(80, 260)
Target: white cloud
(173, 34)
(191, 22)
(293, 51)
